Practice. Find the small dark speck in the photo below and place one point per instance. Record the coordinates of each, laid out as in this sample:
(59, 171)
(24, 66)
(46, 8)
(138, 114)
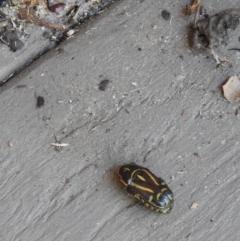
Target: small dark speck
(59, 49)
(239, 39)
(165, 14)
(196, 154)
(181, 184)
(139, 49)
(188, 235)
(103, 84)
(40, 101)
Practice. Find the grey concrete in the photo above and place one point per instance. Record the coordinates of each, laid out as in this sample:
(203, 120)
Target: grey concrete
(162, 109)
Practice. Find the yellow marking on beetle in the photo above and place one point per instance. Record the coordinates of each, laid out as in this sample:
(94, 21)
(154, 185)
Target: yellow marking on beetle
(151, 176)
(159, 195)
(165, 211)
(141, 178)
(127, 169)
(166, 202)
(136, 196)
(147, 205)
(150, 198)
(133, 173)
(141, 187)
(163, 183)
(164, 189)
(170, 197)
(122, 181)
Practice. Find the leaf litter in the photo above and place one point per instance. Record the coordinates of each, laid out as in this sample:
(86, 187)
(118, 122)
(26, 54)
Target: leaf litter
(231, 89)
(209, 32)
(18, 16)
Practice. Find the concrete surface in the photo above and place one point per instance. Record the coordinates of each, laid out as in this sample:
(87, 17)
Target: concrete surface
(162, 109)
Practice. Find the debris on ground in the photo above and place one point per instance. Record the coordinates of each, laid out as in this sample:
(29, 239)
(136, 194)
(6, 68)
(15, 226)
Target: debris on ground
(103, 84)
(10, 144)
(59, 144)
(210, 32)
(166, 15)
(231, 90)
(196, 154)
(18, 17)
(191, 8)
(40, 102)
(194, 206)
(9, 36)
(29, 15)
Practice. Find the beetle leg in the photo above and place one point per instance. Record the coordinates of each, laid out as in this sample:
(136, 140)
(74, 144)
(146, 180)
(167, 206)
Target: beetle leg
(131, 190)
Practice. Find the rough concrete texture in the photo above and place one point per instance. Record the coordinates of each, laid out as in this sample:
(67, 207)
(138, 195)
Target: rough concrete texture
(162, 109)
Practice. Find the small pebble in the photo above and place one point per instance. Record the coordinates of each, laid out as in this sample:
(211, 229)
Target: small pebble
(10, 144)
(103, 84)
(194, 206)
(70, 32)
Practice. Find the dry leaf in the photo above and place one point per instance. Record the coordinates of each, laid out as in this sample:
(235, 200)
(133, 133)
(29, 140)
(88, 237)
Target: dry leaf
(231, 90)
(29, 15)
(191, 8)
(33, 2)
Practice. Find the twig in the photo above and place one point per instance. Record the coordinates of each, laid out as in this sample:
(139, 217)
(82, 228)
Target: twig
(28, 14)
(59, 144)
(1, 38)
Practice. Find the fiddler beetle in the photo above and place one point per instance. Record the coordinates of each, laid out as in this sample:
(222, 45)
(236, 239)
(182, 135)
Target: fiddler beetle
(146, 187)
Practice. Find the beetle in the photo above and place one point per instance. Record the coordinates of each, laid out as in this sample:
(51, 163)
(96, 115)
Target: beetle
(146, 187)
